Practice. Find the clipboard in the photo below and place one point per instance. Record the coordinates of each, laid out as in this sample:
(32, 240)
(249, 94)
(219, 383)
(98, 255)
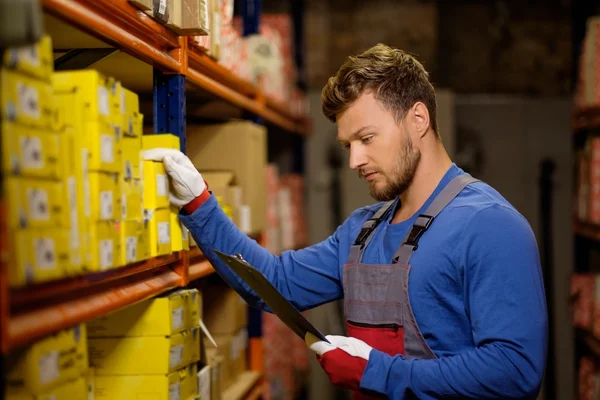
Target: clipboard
(273, 298)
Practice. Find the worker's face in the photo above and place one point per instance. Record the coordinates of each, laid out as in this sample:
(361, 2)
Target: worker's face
(381, 149)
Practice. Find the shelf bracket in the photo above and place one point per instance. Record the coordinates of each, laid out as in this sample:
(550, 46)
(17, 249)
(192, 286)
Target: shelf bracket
(81, 58)
(170, 105)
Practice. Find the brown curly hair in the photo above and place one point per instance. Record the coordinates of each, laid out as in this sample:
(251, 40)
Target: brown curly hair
(395, 77)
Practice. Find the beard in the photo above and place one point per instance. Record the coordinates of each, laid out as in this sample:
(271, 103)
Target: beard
(400, 178)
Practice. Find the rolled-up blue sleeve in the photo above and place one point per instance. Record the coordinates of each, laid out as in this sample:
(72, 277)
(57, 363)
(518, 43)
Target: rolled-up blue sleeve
(504, 297)
(307, 277)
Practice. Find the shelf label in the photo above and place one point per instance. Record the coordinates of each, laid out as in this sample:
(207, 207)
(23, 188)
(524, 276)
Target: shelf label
(32, 151)
(162, 185)
(49, 367)
(106, 205)
(39, 207)
(131, 248)
(105, 254)
(29, 100)
(175, 356)
(164, 233)
(103, 104)
(107, 148)
(177, 318)
(174, 391)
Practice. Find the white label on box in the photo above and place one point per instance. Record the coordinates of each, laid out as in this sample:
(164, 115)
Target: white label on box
(162, 185)
(184, 232)
(29, 100)
(123, 109)
(103, 103)
(130, 248)
(174, 391)
(177, 318)
(86, 183)
(106, 253)
(33, 153)
(49, 367)
(245, 218)
(204, 382)
(39, 208)
(124, 207)
(107, 148)
(30, 55)
(162, 7)
(164, 233)
(106, 205)
(175, 356)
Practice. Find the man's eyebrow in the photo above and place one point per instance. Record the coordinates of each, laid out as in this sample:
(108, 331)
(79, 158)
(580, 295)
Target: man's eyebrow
(356, 133)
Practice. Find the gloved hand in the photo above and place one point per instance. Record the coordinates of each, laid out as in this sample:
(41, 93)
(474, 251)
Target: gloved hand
(186, 182)
(344, 359)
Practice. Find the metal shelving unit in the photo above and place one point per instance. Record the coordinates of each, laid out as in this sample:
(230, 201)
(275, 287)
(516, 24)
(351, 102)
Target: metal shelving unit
(34, 311)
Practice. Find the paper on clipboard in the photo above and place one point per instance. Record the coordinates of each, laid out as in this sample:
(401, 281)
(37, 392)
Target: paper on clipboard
(272, 298)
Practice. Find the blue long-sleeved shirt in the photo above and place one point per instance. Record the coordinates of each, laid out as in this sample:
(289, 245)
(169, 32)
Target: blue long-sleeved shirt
(475, 287)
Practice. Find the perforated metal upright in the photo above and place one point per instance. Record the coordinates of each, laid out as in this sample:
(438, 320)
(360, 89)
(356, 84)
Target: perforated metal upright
(170, 105)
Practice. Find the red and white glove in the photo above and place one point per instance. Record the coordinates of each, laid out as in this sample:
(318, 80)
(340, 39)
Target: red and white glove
(344, 359)
(188, 189)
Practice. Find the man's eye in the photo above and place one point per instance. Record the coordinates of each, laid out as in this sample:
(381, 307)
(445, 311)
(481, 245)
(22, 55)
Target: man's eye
(346, 146)
(367, 139)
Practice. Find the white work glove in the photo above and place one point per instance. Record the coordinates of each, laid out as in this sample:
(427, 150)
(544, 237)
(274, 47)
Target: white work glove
(352, 346)
(186, 181)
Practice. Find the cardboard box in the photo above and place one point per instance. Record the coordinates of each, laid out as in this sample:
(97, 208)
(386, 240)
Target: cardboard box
(104, 245)
(72, 390)
(165, 315)
(30, 152)
(49, 362)
(132, 192)
(134, 245)
(36, 203)
(36, 60)
(131, 158)
(233, 349)
(204, 378)
(25, 100)
(215, 361)
(146, 355)
(188, 18)
(224, 311)
(181, 384)
(105, 196)
(90, 92)
(157, 227)
(239, 147)
(160, 140)
(156, 185)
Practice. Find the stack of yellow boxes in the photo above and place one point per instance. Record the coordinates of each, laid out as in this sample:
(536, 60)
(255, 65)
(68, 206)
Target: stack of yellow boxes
(134, 243)
(33, 167)
(89, 102)
(166, 233)
(52, 368)
(148, 350)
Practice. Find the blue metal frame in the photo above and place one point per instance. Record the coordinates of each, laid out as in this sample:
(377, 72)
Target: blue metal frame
(170, 105)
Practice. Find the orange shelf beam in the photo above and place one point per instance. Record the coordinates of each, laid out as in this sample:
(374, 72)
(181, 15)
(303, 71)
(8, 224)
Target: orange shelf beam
(200, 270)
(587, 118)
(31, 325)
(589, 231)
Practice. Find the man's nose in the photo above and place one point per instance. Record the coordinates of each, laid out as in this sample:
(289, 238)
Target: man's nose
(357, 158)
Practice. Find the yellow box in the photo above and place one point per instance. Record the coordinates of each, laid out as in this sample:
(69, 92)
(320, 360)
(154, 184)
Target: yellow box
(164, 140)
(49, 362)
(156, 185)
(105, 196)
(72, 390)
(30, 152)
(36, 203)
(36, 60)
(134, 246)
(130, 113)
(131, 158)
(181, 384)
(91, 90)
(104, 246)
(25, 100)
(157, 227)
(131, 200)
(145, 355)
(76, 221)
(165, 315)
(38, 255)
(179, 233)
(90, 382)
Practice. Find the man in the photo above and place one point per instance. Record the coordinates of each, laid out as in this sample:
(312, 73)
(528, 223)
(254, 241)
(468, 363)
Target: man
(441, 279)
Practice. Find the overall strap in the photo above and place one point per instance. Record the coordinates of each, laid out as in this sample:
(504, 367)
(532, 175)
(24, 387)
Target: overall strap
(423, 221)
(366, 232)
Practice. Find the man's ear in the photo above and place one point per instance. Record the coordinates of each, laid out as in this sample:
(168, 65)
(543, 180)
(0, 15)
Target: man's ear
(419, 117)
